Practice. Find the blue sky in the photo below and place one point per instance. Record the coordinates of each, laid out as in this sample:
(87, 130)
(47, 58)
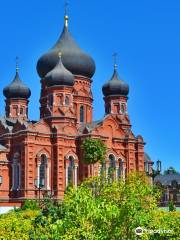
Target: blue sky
(146, 36)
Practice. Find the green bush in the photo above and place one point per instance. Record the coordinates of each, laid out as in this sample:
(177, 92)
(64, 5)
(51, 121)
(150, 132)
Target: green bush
(171, 206)
(98, 210)
(17, 225)
(31, 205)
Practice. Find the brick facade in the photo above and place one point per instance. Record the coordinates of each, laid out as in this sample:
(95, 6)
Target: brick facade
(49, 150)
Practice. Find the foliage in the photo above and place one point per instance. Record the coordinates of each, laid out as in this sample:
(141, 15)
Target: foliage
(165, 223)
(98, 210)
(94, 150)
(31, 205)
(16, 224)
(102, 210)
(171, 206)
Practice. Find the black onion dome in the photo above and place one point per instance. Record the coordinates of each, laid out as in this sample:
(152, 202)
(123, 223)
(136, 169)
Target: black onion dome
(59, 76)
(17, 89)
(115, 86)
(73, 57)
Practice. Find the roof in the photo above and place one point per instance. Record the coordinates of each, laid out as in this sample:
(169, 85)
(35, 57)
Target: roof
(89, 126)
(166, 180)
(115, 86)
(8, 123)
(2, 148)
(147, 158)
(59, 76)
(73, 57)
(17, 89)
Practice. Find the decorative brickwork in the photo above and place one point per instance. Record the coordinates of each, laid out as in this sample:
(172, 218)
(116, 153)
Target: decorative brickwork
(45, 156)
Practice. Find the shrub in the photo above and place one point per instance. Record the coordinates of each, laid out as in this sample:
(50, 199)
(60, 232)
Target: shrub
(98, 210)
(31, 205)
(171, 206)
(16, 225)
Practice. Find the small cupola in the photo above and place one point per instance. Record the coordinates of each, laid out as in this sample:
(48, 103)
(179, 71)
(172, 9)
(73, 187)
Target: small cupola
(115, 86)
(59, 75)
(17, 89)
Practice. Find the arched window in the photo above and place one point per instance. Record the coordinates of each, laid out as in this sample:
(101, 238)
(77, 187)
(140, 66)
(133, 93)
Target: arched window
(108, 109)
(121, 168)
(43, 170)
(70, 170)
(123, 108)
(67, 101)
(51, 99)
(112, 166)
(82, 114)
(16, 175)
(15, 109)
(21, 111)
(112, 162)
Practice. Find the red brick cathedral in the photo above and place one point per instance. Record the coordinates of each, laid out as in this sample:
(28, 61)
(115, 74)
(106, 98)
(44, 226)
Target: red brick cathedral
(47, 153)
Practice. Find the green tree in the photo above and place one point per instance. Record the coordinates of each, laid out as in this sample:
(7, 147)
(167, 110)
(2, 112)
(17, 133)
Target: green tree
(102, 210)
(94, 150)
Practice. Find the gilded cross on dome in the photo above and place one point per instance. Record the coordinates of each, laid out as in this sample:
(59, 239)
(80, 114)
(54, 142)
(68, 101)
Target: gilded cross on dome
(66, 18)
(60, 54)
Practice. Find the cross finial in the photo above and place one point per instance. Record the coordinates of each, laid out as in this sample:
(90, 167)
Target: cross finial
(60, 55)
(17, 64)
(66, 18)
(115, 59)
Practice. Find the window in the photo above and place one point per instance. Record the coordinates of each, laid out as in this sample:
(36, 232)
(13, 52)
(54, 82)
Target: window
(112, 167)
(42, 170)
(18, 175)
(51, 100)
(70, 170)
(121, 168)
(82, 114)
(108, 109)
(123, 108)
(15, 110)
(67, 101)
(16, 172)
(112, 162)
(21, 111)
(7, 111)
